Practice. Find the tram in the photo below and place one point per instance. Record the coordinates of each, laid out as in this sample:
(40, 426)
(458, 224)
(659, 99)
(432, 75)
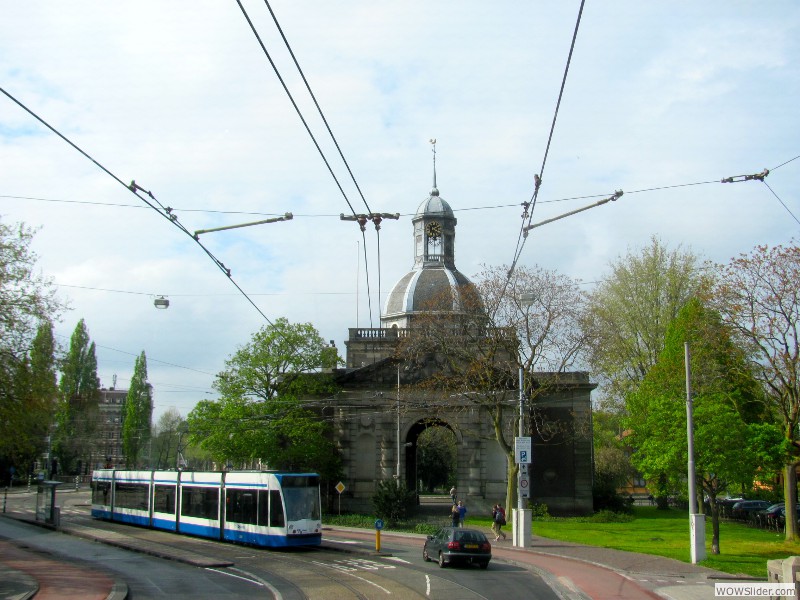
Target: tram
(263, 508)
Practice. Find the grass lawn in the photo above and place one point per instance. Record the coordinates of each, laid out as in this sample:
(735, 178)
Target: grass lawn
(743, 550)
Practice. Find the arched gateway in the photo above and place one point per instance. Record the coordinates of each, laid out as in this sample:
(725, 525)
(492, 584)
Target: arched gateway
(378, 416)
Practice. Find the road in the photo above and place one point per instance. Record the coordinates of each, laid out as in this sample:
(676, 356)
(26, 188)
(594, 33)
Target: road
(345, 567)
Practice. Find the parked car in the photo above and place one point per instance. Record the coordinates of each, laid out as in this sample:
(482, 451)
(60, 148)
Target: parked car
(743, 509)
(458, 545)
(768, 517)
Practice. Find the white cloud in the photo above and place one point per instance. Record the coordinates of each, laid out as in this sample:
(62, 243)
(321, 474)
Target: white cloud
(180, 97)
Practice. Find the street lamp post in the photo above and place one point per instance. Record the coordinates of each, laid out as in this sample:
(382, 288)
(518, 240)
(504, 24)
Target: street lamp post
(697, 529)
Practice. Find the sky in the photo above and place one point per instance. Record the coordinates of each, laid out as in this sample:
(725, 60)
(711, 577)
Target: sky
(662, 100)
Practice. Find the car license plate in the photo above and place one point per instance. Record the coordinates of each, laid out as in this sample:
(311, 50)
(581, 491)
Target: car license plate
(471, 546)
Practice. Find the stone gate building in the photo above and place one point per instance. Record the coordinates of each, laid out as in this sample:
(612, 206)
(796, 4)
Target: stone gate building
(378, 416)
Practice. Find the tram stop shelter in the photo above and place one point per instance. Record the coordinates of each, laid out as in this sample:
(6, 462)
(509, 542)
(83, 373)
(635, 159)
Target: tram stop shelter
(47, 510)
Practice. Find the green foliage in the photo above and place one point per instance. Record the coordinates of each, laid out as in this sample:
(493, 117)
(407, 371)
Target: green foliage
(136, 424)
(263, 412)
(436, 458)
(27, 350)
(78, 398)
(27, 399)
(631, 310)
(725, 396)
(393, 501)
(539, 510)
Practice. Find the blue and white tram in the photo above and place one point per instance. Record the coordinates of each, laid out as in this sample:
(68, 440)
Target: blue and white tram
(263, 508)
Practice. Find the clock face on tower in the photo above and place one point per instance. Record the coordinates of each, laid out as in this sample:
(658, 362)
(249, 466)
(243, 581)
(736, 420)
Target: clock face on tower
(434, 230)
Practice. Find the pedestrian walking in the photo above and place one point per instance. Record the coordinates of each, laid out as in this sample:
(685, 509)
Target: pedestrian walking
(453, 494)
(455, 515)
(462, 511)
(498, 520)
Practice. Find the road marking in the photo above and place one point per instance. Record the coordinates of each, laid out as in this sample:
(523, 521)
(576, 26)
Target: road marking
(398, 559)
(345, 570)
(275, 593)
(427, 585)
(232, 575)
(338, 541)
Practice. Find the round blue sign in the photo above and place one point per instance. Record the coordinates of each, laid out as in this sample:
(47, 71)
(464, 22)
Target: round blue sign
(379, 524)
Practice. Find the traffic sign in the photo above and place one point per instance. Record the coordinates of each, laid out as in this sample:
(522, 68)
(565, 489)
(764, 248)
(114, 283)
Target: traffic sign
(524, 486)
(340, 487)
(522, 450)
(379, 524)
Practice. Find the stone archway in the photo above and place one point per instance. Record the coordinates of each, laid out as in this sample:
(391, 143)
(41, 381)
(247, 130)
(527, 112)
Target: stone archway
(412, 455)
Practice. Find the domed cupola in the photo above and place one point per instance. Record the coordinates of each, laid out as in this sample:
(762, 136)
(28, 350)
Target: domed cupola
(426, 287)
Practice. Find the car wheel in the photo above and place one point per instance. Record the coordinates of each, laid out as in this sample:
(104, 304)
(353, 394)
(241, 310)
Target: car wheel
(425, 555)
(485, 564)
(442, 563)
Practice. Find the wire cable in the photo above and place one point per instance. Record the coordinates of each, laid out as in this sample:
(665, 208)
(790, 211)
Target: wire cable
(165, 212)
(522, 238)
(781, 201)
(305, 124)
(319, 109)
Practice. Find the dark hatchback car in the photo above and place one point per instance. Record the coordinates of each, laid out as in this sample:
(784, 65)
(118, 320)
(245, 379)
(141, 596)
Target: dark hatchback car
(453, 545)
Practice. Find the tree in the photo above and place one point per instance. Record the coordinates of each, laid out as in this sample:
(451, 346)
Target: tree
(436, 457)
(167, 436)
(136, 423)
(26, 412)
(78, 403)
(727, 404)
(262, 413)
(529, 322)
(758, 296)
(630, 311)
(27, 305)
(26, 297)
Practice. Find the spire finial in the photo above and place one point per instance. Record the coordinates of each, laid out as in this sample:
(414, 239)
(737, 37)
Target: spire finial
(433, 143)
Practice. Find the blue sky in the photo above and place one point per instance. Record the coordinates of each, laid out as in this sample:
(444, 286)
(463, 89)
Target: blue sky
(180, 97)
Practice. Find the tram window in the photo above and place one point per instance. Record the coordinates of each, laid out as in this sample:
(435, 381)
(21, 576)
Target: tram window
(276, 509)
(263, 508)
(164, 499)
(202, 503)
(240, 506)
(302, 503)
(131, 495)
(100, 491)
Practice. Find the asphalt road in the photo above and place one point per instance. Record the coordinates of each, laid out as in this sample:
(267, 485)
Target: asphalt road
(345, 567)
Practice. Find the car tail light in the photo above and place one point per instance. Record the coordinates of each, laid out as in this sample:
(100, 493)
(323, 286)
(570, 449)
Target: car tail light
(453, 546)
(486, 546)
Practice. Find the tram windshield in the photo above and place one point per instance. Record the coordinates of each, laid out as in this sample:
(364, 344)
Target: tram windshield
(301, 495)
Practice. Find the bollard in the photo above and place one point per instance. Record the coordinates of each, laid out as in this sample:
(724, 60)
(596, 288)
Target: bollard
(29, 483)
(5, 498)
(77, 479)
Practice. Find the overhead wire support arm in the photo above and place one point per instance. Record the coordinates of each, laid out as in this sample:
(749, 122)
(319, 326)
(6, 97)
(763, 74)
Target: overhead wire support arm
(616, 196)
(362, 219)
(739, 178)
(287, 217)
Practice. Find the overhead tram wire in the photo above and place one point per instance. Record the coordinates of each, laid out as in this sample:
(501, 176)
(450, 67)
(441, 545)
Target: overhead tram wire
(308, 130)
(165, 212)
(522, 237)
(376, 218)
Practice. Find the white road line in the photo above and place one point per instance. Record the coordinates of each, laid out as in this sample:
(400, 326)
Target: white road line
(341, 570)
(427, 585)
(398, 559)
(232, 575)
(275, 593)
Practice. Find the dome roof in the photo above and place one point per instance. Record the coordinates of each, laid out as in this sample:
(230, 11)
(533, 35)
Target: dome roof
(434, 206)
(426, 290)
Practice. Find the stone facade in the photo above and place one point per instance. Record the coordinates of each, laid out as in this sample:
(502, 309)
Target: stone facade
(378, 417)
